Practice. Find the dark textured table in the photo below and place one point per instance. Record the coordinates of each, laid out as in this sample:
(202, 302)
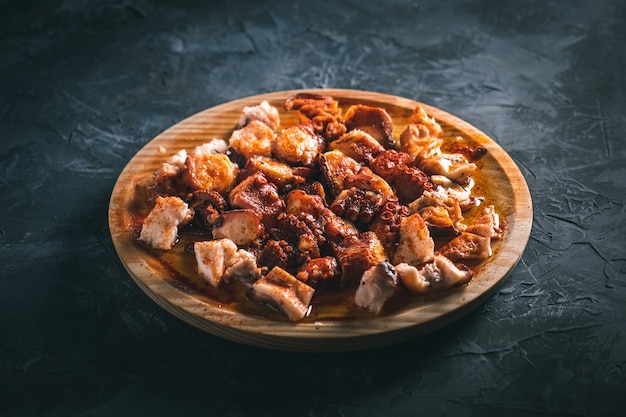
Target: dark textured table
(84, 85)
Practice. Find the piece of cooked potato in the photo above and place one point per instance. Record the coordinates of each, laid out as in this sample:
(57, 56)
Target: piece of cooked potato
(253, 139)
(212, 172)
(297, 145)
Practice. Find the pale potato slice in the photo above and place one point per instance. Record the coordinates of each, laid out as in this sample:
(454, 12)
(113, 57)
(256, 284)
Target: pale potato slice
(211, 172)
(283, 291)
(440, 274)
(253, 139)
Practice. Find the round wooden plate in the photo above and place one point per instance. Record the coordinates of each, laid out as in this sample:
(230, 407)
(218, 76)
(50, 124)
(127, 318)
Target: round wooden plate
(169, 278)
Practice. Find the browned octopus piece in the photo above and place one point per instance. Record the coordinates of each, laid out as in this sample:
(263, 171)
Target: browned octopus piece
(319, 270)
(409, 181)
(373, 120)
(257, 193)
(303, 233)
(357, 254)
(387, 223)
(207, 206)
(356, 204)
(322, 112)
(277, 252)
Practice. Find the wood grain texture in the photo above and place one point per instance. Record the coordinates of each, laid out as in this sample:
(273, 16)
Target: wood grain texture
(335, 329)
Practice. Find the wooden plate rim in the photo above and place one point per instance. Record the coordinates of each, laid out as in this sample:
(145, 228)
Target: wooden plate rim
(322, 336)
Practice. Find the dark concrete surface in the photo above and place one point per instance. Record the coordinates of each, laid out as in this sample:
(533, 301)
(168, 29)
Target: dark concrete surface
(85, 84)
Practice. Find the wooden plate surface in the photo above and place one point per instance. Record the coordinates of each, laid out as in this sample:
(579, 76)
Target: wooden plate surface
(169, 278)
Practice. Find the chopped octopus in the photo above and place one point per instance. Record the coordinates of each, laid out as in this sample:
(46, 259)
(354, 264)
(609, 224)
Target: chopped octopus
(415, 245)
(333, 201)
(358, 145)
(318, 271)
(241, 226)
(357, 254)
(321, 112)
(439, 274)
(375, 121)
(488, 224)
(277, 172)
(297, 145)
(283, 291)
(167, 180)
(422, 141)
(259, 194)
(441, 209)
(207, 207)
(336, 167)
(263, 112)
(378, 284)
(219, 260)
